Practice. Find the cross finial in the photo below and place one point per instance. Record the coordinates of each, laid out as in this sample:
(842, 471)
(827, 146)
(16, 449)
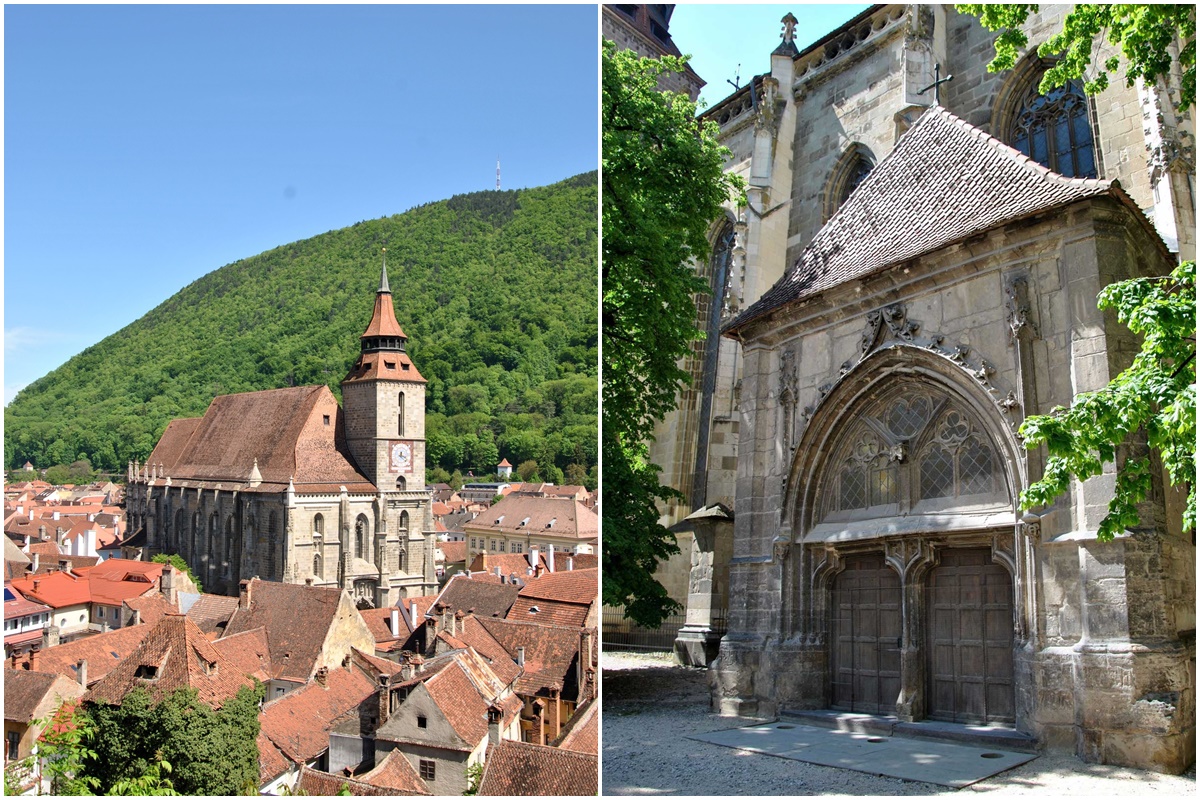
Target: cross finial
(789, 28)
(938, 80)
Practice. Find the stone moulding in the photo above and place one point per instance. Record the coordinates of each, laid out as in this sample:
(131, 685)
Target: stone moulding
(890, 328)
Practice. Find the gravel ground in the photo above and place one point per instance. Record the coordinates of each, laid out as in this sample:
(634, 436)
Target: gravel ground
(650, 705)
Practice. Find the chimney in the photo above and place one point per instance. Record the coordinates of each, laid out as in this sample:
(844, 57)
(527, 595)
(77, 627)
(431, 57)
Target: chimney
(36, 583)
(395, 621)
(244, 594)
(570, 563)
(167, 583)
(419, 662)
(383, 694)
(37, 562)
(82, 670)
(308, 581)
(406, 671)
(494, 715)
(50, 636)
(550, 559)
(54, 516)
(322, 675)
(498, 575)
(533, 558)
(521, 656)
(413, 615)
(58, 532)
(35, 656)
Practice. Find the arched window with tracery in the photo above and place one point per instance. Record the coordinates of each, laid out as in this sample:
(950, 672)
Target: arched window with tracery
(1055, 129)
(851, 170)
(361, 534)
(318, 571)
(915, 449)
(272, 544)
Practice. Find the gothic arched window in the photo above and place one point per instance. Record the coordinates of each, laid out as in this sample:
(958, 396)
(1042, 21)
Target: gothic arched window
(318, 573)
(400, 424)
(1055, 130)
(914, 450)
(360, 537)
(851, 170)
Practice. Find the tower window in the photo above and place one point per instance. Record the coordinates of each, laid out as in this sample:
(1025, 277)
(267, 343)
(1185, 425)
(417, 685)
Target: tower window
(389, 364)
(404, 367)
(325, 419)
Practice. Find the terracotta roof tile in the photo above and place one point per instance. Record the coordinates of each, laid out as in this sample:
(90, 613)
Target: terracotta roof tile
(574, 586)
(528, 609)
(299, 722)
(321, 784)
(582, 733)
(283, 429)
(943, 182)
(520, 768)
(453, 552)
(487, 599)
(151, 608)
(562, 517)
(55, 589)
(473, 634)
(247, 652)
(25, 691)
(103, 652)
(395, 773)
(295, 649)
(211, 612)
(551, 652)
(175, 654)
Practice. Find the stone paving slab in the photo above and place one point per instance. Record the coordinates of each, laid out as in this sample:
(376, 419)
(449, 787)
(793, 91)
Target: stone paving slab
(943, 763)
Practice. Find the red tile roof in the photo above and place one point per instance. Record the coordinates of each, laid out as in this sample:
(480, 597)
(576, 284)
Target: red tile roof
(943, 182)
(550, 653)
(282, 429)
(295, 649)
(453, 551)
(118, 579)
(25, 691)
(211, 612)
(55, 589)
(247, 652)
(175, 654)
(484, 598)
(395, 773)
(574, 586)
(520, 768)
(582, 733)
(103, 652)
(299, 722)
(314, 783)
(560, 517)
(151, 609)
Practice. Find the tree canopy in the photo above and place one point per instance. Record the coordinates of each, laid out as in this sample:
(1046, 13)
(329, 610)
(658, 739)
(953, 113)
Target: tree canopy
(1153, 403)
(495, 290)
(664, 186)
(1144, 34)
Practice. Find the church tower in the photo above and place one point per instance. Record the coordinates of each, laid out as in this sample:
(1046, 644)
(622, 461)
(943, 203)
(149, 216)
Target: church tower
(383, 398)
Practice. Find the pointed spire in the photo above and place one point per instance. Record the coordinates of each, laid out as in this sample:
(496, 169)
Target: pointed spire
(255, 476)
(383, 281)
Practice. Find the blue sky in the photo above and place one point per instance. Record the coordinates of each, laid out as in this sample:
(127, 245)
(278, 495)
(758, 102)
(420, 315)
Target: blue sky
(145, 146)
(720, 37)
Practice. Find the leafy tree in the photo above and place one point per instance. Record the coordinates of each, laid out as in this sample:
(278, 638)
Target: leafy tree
(1145, 35)
(527, 470)
(64, 748)
(153, 783)
(575, 475)
(1152, 402)
(456, 480)
(664, 185)
(474, 778)
(210, 752)
(58, 475)
(176, 560)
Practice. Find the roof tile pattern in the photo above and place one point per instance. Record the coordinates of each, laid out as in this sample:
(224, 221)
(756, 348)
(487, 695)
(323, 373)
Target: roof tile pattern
(562, 517)
(944, 181)
(485, 598)
(174, 655)
(550, 653)
(24, 691)
(283, 429)
(298, 723)
(396, 773)
(313, 783)
(278, 608)
(582, 733)
(103, 652)
(520, 768)
(211, 612)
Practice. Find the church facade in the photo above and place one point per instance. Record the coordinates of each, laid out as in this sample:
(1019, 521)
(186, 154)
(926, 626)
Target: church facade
(915, 271)
(286, 486)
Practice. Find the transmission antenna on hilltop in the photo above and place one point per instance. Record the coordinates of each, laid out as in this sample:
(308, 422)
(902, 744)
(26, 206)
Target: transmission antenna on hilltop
(497, 173)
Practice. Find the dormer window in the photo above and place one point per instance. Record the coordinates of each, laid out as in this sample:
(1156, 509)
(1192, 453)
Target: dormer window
(404, 367)
(147, 672)
(389, 364)
(524, 522)
(422, 722)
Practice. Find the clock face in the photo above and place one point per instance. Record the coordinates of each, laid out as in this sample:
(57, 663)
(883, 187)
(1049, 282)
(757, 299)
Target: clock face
(401, 457)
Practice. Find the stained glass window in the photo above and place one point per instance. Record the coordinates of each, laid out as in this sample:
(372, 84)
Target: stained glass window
(1054, 130)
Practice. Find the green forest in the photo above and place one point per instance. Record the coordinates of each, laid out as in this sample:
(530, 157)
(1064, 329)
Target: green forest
(495, 290)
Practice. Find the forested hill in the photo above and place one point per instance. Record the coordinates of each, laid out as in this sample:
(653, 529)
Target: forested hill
(495, 290)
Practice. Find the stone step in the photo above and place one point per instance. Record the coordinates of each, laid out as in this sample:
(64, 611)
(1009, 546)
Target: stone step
(995, 736)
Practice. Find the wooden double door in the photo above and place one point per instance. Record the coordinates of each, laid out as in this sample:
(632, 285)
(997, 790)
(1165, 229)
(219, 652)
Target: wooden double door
(967, 606)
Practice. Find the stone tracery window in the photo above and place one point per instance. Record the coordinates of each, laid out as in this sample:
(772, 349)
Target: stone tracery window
(1054, 129)
(910, 448)
(851, 170)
